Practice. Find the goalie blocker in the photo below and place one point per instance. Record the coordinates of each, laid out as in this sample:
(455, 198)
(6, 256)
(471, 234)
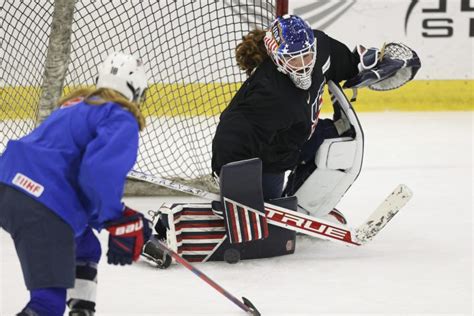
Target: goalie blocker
(225, 230)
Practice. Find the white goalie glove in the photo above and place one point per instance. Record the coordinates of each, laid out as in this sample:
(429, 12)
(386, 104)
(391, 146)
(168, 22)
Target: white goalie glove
(386, 69)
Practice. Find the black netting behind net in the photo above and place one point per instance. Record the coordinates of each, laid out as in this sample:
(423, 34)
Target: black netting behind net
(189, 50)
(24, 34)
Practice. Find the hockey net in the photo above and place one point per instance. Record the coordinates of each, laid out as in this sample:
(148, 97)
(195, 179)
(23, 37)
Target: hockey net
(188, 47)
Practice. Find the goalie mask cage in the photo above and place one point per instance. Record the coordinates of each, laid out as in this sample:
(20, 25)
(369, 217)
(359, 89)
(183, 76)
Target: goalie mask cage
(187, 46)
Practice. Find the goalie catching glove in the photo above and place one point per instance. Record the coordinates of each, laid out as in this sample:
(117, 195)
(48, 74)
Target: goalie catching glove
(127, 236)
(385, 69)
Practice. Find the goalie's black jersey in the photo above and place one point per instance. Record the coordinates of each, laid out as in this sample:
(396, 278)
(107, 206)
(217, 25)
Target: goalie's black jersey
(270, 118)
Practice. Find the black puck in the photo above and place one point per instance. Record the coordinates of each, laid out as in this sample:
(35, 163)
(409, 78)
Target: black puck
(231, 256)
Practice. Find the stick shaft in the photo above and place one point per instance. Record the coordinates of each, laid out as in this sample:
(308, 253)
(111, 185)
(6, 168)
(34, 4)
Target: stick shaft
(173, 185)
(201, 274)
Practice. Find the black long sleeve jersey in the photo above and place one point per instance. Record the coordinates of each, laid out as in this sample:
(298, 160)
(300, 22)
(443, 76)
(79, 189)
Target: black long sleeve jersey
(270, 118)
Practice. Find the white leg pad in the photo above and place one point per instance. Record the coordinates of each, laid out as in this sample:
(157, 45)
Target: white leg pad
(338, 161)
(336, 153)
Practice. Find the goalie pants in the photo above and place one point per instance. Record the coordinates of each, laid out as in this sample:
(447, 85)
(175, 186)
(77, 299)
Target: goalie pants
(272, 185)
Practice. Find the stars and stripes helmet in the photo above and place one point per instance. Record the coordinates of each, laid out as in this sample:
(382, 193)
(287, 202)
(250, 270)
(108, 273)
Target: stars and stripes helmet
(124, 73)
(291, 44)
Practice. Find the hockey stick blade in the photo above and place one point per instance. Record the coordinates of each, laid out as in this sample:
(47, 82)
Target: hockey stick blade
(246, 306)
(383, 214)
(156, 255)
(253, 310)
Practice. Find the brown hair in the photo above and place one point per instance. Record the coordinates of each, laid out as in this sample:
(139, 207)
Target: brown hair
(103, 95)
(251, 51)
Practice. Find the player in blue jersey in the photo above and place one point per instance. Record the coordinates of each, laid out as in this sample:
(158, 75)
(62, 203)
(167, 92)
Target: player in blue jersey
(66, 178)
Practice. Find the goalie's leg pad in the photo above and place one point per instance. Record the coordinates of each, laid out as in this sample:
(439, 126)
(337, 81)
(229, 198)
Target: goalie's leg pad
(280, 241)
(193, 230)
(196, 233)
(242, 200)
(338, 161)
(325, 129)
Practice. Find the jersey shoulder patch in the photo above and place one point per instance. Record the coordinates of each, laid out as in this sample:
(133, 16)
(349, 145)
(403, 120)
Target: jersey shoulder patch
(71, 102)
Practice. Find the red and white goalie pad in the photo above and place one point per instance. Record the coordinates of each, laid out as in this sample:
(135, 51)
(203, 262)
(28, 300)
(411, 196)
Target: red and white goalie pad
(244, 223)
(242, 199)
(192, 230)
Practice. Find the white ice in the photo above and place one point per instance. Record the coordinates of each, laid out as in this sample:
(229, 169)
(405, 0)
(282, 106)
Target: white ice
(420, 264)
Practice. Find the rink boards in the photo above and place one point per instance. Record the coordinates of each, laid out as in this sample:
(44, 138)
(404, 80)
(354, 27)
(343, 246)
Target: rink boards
(210, 99)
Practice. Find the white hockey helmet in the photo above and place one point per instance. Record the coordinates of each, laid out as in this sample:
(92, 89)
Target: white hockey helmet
(124, 73)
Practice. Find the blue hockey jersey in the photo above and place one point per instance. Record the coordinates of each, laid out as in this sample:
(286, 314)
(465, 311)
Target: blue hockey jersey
(75, 162)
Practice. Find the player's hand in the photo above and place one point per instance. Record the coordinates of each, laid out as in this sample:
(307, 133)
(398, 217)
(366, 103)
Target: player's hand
(127, 236)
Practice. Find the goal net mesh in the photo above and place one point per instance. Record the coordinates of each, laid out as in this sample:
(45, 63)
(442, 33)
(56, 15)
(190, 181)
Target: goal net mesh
(189, 50)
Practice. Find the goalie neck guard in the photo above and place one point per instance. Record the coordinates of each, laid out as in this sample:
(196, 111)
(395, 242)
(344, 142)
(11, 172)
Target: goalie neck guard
(291, 44)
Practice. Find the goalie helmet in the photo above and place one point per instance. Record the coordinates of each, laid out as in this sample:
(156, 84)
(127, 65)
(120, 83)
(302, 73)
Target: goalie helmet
(124, 73)
(291, 44)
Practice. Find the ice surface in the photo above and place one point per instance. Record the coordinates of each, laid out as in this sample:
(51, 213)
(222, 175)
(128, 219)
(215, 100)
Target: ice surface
(420, 264)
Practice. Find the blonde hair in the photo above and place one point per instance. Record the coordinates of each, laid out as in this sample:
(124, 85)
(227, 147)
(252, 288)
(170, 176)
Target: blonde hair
(251, 51)
(103, 95)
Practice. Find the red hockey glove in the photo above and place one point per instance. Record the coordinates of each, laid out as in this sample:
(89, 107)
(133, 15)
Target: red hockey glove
(127, 236)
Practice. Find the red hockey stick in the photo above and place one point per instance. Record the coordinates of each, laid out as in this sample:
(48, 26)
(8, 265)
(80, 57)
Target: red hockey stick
(246, 305)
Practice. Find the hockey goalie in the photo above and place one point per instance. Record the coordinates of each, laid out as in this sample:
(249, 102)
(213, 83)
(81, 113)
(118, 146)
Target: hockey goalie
(240, 224)
(272, 128)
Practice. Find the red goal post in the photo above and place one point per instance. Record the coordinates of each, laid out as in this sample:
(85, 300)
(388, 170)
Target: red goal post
(51, 47)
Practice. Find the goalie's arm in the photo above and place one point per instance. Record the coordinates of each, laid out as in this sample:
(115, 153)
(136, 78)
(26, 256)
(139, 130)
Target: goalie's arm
(339, 62)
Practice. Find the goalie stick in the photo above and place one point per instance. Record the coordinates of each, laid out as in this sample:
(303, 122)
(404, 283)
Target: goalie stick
(246, 305)
(306, 224)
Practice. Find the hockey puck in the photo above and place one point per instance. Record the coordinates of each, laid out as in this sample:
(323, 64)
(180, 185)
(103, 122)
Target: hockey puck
(231, 256)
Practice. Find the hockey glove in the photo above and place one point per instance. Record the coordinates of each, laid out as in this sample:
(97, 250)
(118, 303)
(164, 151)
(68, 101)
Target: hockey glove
(385, 69)
(127, 236)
